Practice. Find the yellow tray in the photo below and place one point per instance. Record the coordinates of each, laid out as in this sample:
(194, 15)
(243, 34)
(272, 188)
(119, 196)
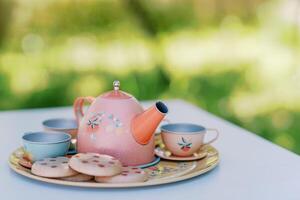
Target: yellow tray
(166, 171)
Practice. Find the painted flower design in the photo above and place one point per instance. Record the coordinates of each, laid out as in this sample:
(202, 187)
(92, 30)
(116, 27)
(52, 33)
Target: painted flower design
(116, 121)
(184, 145)
(97, 118)
(93, 122)
(162, 171)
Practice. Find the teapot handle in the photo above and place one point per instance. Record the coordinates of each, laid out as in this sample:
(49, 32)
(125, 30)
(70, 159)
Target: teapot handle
(78, 106)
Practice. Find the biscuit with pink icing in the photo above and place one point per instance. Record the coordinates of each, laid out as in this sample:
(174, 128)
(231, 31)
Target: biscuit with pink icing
(78, 178)
(53, 168)
(95, 164)
(128, 175)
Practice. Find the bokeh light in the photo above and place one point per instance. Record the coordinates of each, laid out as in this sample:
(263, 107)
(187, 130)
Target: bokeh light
(237, 59)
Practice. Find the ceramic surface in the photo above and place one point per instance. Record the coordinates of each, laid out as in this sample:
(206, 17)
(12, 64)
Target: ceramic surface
(39, 145)
(117, 125)
(184, 139)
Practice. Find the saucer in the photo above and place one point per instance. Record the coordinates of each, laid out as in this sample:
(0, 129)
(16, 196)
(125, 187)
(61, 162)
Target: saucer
(165, 154)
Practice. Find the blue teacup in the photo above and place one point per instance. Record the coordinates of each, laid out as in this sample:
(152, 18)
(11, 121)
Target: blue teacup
(63, 125)
(39, 145)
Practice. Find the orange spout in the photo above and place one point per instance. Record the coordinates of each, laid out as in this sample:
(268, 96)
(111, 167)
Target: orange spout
(143, 125)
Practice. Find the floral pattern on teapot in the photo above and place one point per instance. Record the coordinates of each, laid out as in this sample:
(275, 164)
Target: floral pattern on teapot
(95, 121)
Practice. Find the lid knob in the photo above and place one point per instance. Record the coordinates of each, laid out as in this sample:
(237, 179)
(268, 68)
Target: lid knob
(116, 85)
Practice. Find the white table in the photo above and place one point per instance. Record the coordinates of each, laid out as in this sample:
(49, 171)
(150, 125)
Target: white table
(250, 167)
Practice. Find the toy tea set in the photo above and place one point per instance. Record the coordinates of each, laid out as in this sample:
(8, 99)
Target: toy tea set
(114, 144)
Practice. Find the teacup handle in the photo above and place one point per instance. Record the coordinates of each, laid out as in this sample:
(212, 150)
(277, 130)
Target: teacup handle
(213, 139)
(78, 106)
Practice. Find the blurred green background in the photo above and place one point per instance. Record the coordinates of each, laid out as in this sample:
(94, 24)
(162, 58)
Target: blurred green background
(237, 59)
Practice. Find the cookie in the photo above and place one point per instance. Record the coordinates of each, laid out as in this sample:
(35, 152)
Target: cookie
(95, 164)
(78, 178)
(19, 153)
(25, 163)
(53, 168)
(128, 175)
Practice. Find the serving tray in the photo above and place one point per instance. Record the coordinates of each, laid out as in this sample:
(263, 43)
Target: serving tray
(162, 173)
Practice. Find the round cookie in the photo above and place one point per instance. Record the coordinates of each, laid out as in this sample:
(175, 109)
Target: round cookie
(95, 164)
(53, 168)
(128, 175)
(19, 153)
(25, 163)
(78, 178)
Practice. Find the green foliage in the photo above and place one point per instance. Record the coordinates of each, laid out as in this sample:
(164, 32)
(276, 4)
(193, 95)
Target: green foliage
(227, 57)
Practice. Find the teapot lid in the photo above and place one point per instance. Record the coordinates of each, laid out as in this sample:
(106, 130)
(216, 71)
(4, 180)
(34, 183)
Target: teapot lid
(116, 93)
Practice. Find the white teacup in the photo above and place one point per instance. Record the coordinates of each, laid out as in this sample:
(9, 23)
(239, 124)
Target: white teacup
(184, 139)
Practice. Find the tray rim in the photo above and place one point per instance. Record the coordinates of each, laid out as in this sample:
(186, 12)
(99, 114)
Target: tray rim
(162, 181)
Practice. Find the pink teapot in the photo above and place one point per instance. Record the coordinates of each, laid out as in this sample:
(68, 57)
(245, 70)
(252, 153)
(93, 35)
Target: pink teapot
(116, 124)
